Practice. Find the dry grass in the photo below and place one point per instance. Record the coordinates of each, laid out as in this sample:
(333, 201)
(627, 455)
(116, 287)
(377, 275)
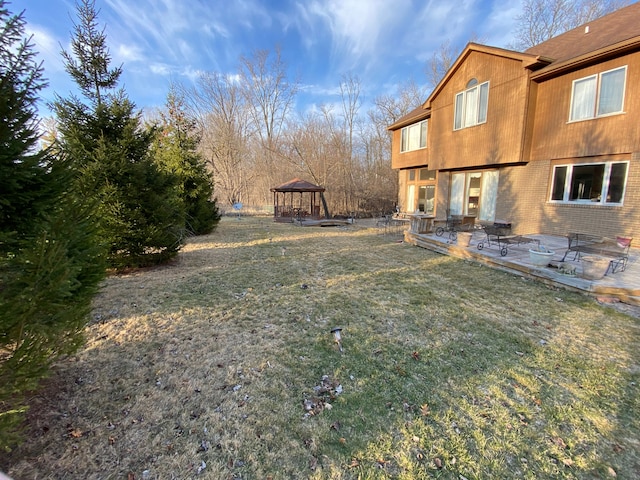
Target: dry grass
(450, 370)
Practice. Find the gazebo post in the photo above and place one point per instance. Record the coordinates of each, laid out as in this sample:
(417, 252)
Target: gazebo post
(275, 205)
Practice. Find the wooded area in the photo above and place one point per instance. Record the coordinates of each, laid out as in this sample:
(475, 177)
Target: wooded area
(253, 139)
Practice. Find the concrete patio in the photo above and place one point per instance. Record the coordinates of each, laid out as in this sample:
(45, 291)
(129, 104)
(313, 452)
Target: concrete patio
(624, 286)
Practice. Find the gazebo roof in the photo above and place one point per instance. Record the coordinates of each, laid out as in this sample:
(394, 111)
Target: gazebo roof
(298, 185)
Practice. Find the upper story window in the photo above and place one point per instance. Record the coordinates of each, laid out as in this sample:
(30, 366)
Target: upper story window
(598, 95)
(414, 137)
(471, 105)
(599, 183)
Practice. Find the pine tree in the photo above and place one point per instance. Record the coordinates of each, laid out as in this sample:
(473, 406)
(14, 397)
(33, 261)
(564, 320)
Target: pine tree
(89, 63)
(50, 255)
(175, 151)
(141, 214)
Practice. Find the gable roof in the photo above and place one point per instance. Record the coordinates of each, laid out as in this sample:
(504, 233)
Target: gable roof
(606, 37)
(616, 27)
(612, 34)
(529, 60)
(415, 115)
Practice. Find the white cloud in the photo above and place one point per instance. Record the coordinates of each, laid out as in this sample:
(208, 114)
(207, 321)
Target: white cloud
(47, 46)
(128, 53)
(160, 69)
(357, 29)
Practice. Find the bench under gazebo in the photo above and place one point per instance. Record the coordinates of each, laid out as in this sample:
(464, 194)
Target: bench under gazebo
(297, 200)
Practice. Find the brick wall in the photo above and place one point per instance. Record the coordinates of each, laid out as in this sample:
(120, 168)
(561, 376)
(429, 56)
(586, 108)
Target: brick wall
(523, 199)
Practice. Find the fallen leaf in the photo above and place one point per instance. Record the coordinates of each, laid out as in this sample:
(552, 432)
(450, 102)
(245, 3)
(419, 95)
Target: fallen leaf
(75, 433)
(424, 410)
(559, 442)
(438, 462)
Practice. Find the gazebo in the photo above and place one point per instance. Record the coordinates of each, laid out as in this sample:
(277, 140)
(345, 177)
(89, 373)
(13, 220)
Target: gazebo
(297, 200)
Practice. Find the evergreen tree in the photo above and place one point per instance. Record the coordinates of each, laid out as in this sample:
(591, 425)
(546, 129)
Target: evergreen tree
(89, 63)
(50, 256)
(141, 214)
(175, 151)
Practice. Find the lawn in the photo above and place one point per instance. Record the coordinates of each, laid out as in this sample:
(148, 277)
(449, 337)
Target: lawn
(223, 365)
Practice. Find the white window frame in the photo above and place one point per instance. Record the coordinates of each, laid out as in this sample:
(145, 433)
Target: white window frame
(592, 108)
(409, 135)
(601, 197)
(469, 109)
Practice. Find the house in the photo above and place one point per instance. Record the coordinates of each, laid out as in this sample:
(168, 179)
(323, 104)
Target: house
(547, 139)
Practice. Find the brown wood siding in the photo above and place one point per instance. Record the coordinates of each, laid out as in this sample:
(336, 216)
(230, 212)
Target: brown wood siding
(555, 137)
(415, 158)
(500, 139)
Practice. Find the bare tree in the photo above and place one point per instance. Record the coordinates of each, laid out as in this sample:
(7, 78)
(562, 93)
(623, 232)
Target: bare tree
(381, 180)
(541, 20)
(389, 108)
(307, 148)
(350, 89)
(223, 117)
(270, 97)
(440, 62)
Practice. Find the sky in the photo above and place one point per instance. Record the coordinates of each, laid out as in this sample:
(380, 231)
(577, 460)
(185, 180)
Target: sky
(383, 43)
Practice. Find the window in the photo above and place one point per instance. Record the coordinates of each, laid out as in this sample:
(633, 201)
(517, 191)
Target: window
(474, 193)
(426, 198)
(426, 174)
(598, 95)
(414, 137)
(600, 183)
(421, 191)
(471, 105)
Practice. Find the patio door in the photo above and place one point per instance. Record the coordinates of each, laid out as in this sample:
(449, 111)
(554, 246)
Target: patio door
(489, 196)
(474, 193)
(411, 198)
(426, 198)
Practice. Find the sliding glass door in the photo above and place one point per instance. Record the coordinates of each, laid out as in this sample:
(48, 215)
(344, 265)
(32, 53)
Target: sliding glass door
(474, 194)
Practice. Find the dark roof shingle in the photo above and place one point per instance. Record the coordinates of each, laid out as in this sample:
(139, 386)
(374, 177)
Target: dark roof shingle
(618, 26)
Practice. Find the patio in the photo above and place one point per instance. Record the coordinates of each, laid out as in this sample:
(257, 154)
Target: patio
(624, 286)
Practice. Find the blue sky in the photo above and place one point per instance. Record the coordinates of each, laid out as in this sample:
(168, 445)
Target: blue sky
(382, 42)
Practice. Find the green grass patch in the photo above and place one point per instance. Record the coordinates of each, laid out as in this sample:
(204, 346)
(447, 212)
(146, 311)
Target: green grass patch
(449, 369)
